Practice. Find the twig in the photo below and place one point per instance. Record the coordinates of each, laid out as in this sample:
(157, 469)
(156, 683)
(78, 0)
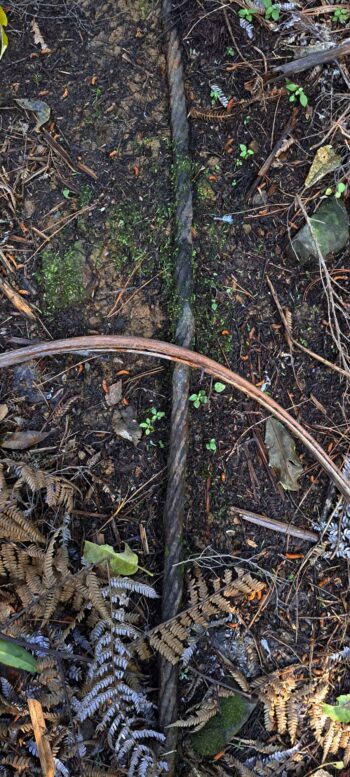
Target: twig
(16, 299)
(45, 753)
(268, 162)
(319, 58)
(273, 524)
(291, 339)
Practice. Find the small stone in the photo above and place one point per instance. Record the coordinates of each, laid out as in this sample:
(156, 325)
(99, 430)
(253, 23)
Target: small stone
(81, 455)
(247, 228)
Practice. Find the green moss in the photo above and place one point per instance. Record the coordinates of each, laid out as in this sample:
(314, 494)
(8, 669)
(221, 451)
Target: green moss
(125, 226)
(215, 735)
(62, 277)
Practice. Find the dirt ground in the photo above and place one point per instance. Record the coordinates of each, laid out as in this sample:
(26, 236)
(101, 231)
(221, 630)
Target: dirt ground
(86, 242)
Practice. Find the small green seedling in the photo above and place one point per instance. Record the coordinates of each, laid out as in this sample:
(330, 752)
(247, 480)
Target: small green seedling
(340, 190)
(211, 445)
(247, 14)
(3, 37)
(66, 193)
(296, 93)
(214, 305)
(199, 399)
(340, 16)
(272, 10)
(219, 387)
(149, 423)
(215, 95)
(244, 151)
(230, 51)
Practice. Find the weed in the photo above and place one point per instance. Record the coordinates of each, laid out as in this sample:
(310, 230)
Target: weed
(149, 423)
(230, 51)
(340, 16)
(340, 190)
(211, 445)
(272, 10)
(296, 93)
(215, 94)
(245, 152)
(214, 305)
(219, 387)
(85, 195)
(199, 399)
(247, 13)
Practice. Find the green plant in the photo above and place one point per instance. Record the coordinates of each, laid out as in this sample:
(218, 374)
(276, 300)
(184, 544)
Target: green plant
(14, 655)
(245, 152)
(214, 305)
(247, 13)
(340, 189)
(272, 10)
(340, 16)
(215, 95)
(3, 37)
(230, 51)
(219, 387)
(149, 423)
(211, 445)
(199, 399)
(296, 93)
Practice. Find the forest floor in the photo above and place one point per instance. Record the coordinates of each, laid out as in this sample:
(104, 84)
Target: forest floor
(86, 247)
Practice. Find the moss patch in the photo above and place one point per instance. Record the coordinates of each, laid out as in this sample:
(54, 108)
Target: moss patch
(215, 735)
(62, 277)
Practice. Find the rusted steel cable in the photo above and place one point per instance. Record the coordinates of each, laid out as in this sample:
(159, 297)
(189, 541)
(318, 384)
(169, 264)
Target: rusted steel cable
(170, 352)
(176, 483)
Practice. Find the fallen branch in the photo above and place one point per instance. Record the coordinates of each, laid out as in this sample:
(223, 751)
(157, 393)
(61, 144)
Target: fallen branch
(273, 524)
(318, 58)
(170, 352)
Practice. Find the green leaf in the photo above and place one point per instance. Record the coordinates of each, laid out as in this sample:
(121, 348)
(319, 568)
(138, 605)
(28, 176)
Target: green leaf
(292, 87)
(339, 712)
(282, 455)
(3, 17)
(303, 99)
(4, 41)
(219, 387)
(215, 735)
(15, 655)
(125, 563)
(66, 193)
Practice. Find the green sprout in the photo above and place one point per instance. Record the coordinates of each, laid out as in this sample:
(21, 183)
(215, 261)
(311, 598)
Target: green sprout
(245, 152)
(230, 51)
(149, 423)
(296, 93)
(247, 13)
(214, 95)
(340, 16)
(211, 445)
(340, 190)
(199, 399)
(272, 10)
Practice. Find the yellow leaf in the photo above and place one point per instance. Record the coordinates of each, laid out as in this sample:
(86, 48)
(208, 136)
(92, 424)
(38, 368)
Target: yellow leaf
(4, 42)
(3, 17)
(324, 162)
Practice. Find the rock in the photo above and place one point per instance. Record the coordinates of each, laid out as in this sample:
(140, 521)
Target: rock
(330, 224)
(114, 393)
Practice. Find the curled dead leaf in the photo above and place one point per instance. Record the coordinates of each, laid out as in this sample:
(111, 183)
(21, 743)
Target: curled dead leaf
(21, 441)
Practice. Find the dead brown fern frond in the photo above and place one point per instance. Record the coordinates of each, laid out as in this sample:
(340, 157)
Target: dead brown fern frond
(175, 636)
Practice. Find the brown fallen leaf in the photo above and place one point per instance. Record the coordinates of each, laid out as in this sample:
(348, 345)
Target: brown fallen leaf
(3, 412)
(38, 38)
(16, 299)
(20, 441)
(324, 162)
(282, 454)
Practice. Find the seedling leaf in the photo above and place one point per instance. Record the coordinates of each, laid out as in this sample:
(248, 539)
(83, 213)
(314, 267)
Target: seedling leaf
(15, 655)
(219, 387)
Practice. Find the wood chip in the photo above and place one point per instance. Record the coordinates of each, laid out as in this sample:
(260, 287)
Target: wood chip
(45, 755)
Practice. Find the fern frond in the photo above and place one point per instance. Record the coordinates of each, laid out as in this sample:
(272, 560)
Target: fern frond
(14, 526)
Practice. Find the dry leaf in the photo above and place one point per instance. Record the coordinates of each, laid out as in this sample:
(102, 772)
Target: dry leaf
(282, 455)
(38, 38)
(114, 393)
(3, 412)
(125, 425)
(41, 109)
(20, 441)
(325, 161)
